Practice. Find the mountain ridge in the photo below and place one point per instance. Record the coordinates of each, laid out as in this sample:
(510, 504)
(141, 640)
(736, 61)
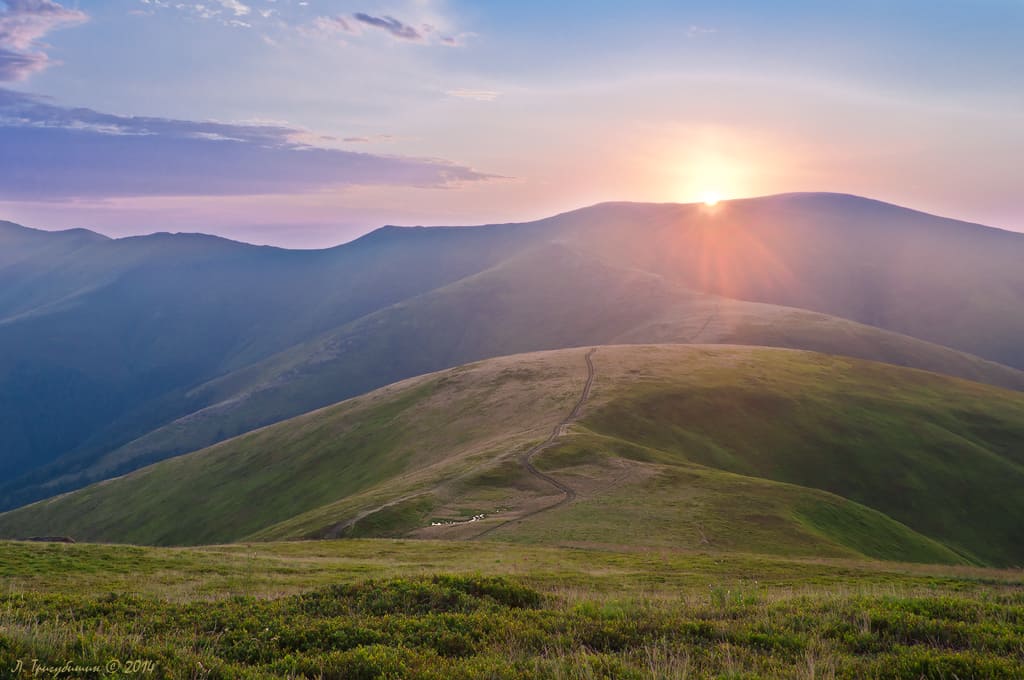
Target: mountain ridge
(106, 344)
(445, 322)
(392, 228)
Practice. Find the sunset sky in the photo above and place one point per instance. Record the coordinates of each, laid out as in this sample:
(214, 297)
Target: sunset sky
(307, 123)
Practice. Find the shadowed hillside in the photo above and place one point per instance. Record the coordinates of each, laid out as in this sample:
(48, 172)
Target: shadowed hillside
(99, 343)
(938, 279)
(537, 300)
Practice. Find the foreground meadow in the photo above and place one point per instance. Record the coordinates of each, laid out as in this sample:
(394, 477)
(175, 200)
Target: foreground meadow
(425, 609)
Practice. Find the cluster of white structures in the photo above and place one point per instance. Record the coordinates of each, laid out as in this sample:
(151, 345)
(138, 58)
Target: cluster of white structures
(474, 518)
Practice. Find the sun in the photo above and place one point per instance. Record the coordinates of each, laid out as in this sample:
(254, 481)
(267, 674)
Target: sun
(711, 198)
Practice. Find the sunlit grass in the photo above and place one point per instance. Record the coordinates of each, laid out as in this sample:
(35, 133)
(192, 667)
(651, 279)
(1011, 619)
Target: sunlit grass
(378, 609)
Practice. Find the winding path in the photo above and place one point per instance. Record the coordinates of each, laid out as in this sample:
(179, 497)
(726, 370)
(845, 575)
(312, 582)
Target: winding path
(527, 458)
(336, 530)
(707, 322)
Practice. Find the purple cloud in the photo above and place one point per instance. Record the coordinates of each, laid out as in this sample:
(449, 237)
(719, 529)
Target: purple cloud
(48, 152)
(396, 28)
(19, 65)
(22, 24)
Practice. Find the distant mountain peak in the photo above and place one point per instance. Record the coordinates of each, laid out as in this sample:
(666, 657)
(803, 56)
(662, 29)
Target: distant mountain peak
(10, 227)
(13, 228)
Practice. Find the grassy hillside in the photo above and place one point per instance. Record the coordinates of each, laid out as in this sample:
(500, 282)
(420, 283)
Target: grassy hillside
(623, 487)
(100, 344)
(410, 435)
(719, 448)
(115, 353)
(542, 299)
(895, 441)
(491, 610)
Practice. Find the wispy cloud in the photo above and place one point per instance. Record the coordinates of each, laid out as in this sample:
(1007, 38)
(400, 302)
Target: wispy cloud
(328, 27)
(235, 6)
(367, 140)
(49, 152)
(694, 31)
(23, 23)
(424, 33)
(334, 24)
(476, 95)
(396, 28)
(227, 12)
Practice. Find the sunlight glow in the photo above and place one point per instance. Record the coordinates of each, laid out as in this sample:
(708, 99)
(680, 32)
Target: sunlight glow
(712, 164)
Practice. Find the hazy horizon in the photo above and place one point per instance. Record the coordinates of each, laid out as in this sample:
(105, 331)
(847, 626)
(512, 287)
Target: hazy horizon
(308, 123)
(251, 234)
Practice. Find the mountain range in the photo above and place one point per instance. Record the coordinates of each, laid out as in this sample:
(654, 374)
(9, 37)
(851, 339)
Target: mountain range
(118, 353)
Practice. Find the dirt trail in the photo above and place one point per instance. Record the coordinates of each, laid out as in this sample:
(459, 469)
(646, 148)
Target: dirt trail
(707, 322)
(336, 530)
(527, 458)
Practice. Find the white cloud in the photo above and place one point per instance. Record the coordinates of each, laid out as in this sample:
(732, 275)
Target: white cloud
(694, 30)
(476, 95)
(235, 6)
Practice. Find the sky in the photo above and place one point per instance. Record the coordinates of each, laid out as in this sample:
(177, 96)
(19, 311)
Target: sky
(305, 123)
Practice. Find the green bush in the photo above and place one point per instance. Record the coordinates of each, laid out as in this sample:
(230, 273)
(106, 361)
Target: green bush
(448, 627)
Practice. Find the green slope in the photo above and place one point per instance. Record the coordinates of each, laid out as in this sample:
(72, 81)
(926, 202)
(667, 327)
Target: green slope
(711, 447)
(440, 610)
(899, 442)
(544, 298)
(633, 494)
(102, 339)
(406, 434)
(115, 353)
